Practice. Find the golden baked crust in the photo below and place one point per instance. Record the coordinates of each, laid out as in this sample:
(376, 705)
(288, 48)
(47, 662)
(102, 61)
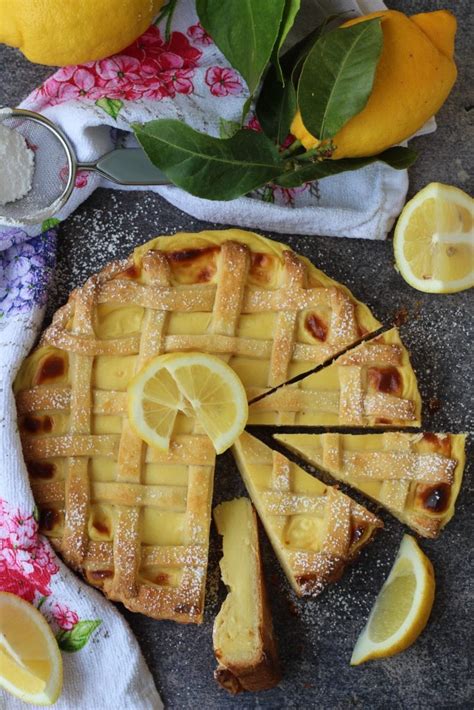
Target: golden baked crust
(135, 521)
(315, 529)
(372, 384)
(417, 477)
(244, 644)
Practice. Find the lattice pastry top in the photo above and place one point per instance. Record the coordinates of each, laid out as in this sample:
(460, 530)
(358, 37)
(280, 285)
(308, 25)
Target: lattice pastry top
(133, 520)
(315, 529)
(372, 384)
(417, 477)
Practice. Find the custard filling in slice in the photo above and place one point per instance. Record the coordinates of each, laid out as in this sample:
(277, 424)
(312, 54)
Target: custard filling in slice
(243, 634)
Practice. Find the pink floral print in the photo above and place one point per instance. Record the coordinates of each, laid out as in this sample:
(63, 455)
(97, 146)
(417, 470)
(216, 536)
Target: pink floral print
(222, 81)
(199, 35)
(64, 617)
(26, 562)
(27, 566)
(148, 68)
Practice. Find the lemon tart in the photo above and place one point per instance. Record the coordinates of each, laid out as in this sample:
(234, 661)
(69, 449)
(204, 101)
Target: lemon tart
(134, 518)
(315, 529)
(417, 477)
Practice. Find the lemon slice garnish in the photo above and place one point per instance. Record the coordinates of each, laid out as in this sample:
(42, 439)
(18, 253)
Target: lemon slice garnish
(30, 661)
(434, 240)
(194, 383)
(402, 608)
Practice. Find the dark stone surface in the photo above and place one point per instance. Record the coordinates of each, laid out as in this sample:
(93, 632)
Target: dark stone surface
(316, 636)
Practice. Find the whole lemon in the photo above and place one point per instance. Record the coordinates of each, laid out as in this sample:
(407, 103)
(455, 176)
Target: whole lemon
(414, 76)
(60, 32)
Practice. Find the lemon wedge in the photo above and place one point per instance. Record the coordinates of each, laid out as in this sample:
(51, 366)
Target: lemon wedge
(402, 608)
(30, 661)
(194, 383)
(434, 240)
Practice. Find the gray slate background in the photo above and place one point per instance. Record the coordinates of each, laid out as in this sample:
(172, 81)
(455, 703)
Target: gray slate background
(316, 636)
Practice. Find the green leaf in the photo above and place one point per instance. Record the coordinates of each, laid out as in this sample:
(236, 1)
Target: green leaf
(77, 637)
(167, 11)
(337, 77)
(49, 224)
(276, 106)
(110, 106)
(397, 157)
(245, 31)
(209, 167)
(227, 128)
(276, 103)
(290, 11)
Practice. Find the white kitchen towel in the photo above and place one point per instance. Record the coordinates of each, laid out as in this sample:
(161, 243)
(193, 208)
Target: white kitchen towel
(189, 79)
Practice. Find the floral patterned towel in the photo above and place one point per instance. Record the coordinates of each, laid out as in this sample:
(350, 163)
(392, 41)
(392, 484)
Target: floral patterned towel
(103, 665)
(94, 104)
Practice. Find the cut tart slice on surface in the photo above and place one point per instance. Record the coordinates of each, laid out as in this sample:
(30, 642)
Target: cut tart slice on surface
(417, 477)
(243, 639)
(372, 384)
(315, 529)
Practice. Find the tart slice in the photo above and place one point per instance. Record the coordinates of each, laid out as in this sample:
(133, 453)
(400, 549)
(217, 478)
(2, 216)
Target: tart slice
(417, 477)
(315, 529)
(243, 633)
(372, 384)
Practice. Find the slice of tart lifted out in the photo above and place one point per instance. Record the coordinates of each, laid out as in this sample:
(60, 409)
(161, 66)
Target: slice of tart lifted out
(315, 529)
(244, 644)
(372, 385)
(417, 477)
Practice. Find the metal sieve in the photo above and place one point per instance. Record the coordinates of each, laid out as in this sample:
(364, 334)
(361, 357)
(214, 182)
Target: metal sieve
(56, 166)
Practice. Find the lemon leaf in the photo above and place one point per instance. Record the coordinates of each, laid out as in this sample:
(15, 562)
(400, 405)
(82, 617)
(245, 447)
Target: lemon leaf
(337, 77)
(245, 31)
(210, 167)
(277, 101)
(398, 158)
(276, 106)
(291, 9)
(75, 639)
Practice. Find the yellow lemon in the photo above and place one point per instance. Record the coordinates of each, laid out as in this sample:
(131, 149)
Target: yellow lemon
(414, 76)
(402, 608)
(194, 383)
(434, 240)
(30, 661)
(59, 33)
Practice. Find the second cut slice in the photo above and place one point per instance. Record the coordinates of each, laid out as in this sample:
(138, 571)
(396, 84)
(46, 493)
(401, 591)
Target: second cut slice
(315, 529)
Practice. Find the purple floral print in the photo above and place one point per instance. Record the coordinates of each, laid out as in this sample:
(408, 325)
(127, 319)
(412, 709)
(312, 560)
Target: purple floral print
(25, 271)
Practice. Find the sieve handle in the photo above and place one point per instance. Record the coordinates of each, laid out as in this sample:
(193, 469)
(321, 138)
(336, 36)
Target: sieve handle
(127, 166)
